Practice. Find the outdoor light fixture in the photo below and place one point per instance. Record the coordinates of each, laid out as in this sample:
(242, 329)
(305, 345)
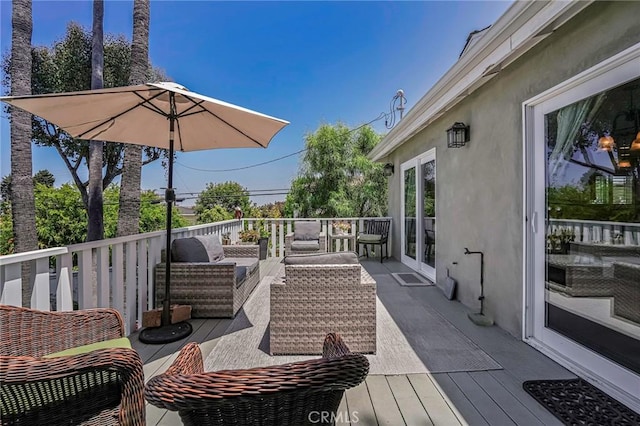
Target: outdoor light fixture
(457, 135)
(388, 169)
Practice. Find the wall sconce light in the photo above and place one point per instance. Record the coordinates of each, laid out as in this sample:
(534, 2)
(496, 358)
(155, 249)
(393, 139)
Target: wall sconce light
(457, 135)
(388, 169)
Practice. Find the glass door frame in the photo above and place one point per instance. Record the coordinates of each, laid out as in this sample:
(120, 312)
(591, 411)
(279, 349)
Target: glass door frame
(417, 263)
(611, 377)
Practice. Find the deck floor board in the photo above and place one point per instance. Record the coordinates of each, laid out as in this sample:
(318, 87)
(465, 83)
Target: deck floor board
(478, 398)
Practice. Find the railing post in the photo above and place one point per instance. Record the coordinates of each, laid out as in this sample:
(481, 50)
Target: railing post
(117, 277)
(102, 274)
(64, 290)
(41, 295)
(85, 285)
(12, 285)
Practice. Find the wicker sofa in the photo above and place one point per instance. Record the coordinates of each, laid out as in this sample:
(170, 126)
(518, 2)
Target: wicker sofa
(284, 395)
(320, 294)
(101, 387)
(214, 279)
(306, 238)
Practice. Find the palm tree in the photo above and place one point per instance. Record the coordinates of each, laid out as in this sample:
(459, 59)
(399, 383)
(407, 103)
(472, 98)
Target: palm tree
(95, 228)
(129, 212)
(22, 199)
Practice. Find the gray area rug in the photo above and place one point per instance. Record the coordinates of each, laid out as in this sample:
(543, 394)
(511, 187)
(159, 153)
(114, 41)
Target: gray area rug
(430, 345)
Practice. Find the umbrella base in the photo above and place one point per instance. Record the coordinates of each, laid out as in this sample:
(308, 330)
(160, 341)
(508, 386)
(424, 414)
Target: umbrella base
(165, 333)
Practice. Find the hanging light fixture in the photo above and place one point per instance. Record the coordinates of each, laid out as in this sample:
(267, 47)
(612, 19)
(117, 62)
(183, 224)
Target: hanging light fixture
(606, 143)
(635, 145)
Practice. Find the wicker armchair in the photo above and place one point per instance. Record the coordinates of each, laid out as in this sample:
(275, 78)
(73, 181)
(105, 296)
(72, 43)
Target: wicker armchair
(212, 289)
(102, 387)
(315, 299)
(306, 238)
(291, 394)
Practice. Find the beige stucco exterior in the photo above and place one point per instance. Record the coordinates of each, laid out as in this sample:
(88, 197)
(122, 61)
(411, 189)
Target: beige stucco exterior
(479, 189)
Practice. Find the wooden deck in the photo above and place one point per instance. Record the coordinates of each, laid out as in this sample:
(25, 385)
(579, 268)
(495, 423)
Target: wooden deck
(476, 398)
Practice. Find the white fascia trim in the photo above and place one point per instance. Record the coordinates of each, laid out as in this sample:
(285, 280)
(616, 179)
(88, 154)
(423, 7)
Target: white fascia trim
(503, 43)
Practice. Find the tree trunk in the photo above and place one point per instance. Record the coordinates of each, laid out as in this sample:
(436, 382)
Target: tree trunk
(22, 198)
(129, 212)
(95, 228)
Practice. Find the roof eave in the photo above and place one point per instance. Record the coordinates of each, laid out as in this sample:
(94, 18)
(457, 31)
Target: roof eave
(521, 27)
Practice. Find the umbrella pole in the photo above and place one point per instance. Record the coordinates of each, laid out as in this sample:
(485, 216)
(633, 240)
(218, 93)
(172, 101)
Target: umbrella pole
(169, 197)
(167, 332)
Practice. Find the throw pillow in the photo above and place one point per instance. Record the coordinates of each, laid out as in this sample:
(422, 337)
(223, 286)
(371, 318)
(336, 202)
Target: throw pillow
(213, 246)
(188, 250)
(306, 231)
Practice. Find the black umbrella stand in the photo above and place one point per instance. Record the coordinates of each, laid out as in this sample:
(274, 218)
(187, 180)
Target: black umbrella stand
(167, 332)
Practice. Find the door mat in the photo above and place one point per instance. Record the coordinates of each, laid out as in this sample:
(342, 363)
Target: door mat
(577, 402)
(411, 279)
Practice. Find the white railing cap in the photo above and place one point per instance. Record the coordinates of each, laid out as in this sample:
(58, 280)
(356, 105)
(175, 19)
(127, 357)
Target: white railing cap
(32, 255)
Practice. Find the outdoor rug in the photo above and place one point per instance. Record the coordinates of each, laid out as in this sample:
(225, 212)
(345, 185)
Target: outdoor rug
(577, 402)
(436, 347)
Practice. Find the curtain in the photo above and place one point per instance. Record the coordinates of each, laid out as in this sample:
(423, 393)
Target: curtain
(570, 119)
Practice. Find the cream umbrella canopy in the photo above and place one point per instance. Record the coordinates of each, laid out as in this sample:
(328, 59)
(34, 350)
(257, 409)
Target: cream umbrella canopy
(164, 115)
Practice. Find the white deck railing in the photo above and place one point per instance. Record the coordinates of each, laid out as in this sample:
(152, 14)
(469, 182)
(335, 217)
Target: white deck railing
(592, 231)
(119, 272)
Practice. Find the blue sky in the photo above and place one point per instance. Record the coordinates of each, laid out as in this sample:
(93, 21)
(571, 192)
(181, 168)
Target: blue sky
(306, 62)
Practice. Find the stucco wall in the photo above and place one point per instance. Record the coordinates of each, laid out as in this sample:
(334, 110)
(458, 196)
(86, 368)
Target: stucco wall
(479, 196)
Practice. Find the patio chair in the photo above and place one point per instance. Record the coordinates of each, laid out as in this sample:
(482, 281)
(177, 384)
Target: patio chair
(214, 279)
(100, 386)
(375, 232)
(292, 394)
(306, 238)
(320, 294)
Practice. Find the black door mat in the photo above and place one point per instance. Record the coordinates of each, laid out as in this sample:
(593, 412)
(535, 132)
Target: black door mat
(577, 402)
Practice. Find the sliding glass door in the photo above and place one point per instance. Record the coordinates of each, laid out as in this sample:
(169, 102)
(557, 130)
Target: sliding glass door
(584, 274)
(419, 213)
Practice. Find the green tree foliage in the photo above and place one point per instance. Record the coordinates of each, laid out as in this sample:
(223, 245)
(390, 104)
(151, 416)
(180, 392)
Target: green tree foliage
(153, 212)
(216, 213)
(336, 178)
(578, 202)
(62, 220)
(44, 177)
(60, 216)
(65, 66)
(227, 195)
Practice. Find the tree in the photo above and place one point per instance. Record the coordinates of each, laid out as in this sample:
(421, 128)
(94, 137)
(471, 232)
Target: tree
(62, 220)
(228, 195)
(336, 178)
(153, 212)
(24, 224)
(60, 216)
(66, 66)
(216, 213)
(95, 224)
(129, 214)
(44, 177)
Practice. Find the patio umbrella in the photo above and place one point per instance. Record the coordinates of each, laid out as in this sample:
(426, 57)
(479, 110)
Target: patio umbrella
(163, 115)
